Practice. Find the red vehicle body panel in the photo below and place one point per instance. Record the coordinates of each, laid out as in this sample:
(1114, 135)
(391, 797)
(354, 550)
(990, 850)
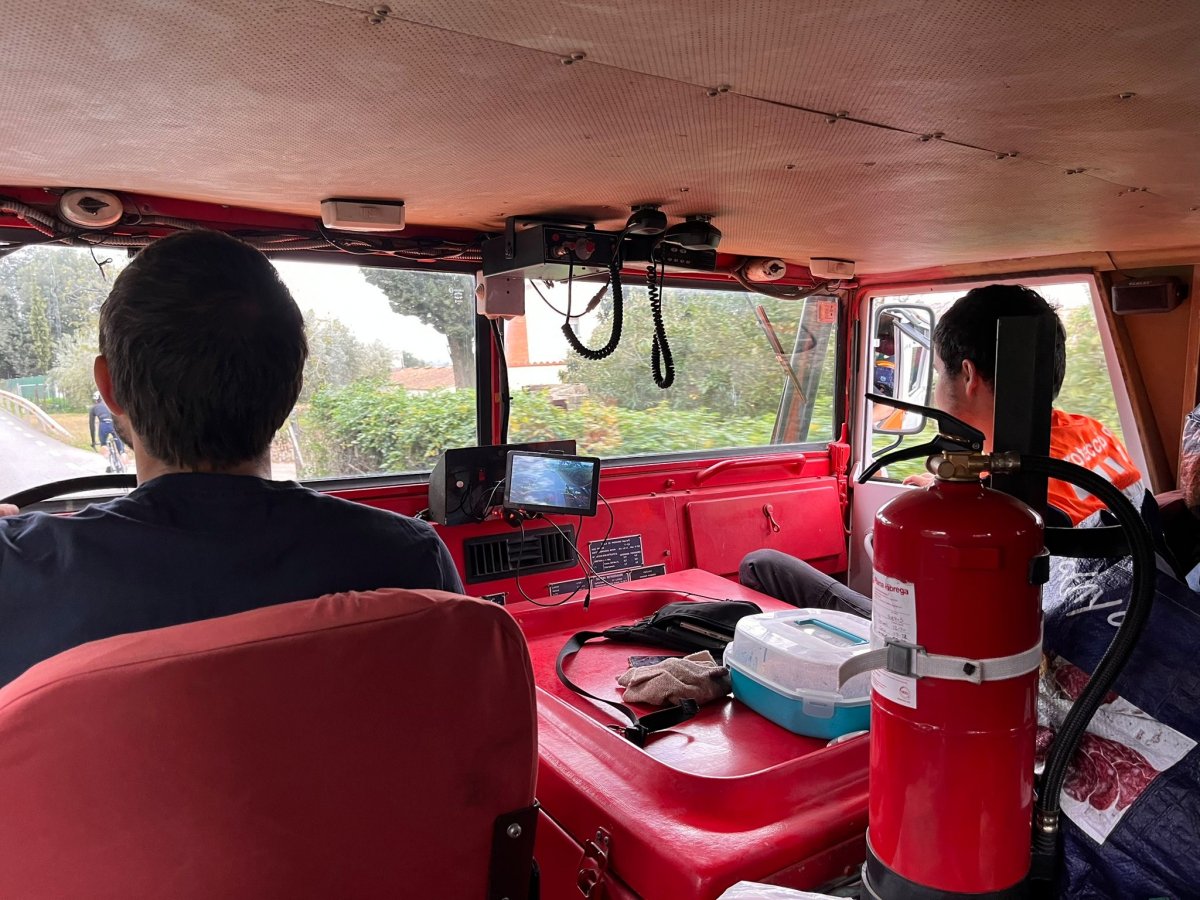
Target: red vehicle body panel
(724, 797)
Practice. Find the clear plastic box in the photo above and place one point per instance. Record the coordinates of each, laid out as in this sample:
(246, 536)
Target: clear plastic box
(784, 665)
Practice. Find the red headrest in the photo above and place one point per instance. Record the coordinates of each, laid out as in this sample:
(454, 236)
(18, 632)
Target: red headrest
(357, 745)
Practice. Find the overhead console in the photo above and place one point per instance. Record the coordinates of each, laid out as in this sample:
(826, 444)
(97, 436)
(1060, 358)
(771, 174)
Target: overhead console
(555, 250)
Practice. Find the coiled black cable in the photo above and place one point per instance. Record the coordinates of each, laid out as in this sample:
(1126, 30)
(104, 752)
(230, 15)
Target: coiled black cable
(614, 339)
(660, 350)
(1141, 545)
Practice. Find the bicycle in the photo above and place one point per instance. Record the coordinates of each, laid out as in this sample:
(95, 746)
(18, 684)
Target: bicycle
(116, 465)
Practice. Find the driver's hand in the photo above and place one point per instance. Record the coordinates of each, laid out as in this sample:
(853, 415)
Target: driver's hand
(923, 479)
(7, 509)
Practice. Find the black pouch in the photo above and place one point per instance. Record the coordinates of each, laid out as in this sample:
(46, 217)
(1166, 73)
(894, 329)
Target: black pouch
(690, 627)
(684, 626)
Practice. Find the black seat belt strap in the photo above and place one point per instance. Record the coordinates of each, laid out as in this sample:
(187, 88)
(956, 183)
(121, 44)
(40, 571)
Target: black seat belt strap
(639, 727)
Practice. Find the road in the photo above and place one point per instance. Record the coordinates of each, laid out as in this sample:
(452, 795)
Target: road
(29, 457)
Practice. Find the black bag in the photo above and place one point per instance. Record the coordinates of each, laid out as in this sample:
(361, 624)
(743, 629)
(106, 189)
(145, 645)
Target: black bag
(684, 626)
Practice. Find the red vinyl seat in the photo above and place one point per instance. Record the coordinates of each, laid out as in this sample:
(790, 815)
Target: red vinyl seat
(359, 745)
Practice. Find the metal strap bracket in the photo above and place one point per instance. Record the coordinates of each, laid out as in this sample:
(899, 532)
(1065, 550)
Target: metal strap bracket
(914, 661)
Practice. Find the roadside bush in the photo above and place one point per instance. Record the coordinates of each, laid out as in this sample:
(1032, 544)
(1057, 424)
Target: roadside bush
(370, 427)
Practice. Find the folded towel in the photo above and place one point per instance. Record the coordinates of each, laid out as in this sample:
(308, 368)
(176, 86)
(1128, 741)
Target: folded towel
(696, 677)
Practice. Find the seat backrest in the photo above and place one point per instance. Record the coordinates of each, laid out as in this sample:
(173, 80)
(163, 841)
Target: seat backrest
(358, 745)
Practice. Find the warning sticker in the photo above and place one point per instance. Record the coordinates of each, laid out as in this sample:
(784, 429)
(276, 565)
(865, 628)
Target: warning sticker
(893, 617)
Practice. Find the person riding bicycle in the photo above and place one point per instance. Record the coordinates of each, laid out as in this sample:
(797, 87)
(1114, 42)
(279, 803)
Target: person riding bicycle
(99, 412)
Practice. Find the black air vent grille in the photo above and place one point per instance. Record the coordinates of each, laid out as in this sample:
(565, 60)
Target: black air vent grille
(500, 555)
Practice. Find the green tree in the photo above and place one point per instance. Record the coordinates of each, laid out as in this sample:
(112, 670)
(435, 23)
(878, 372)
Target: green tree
(75, 354)
(444, 302)
(723, 362)
(16, 357)
(41, 343)
(337, 358)
(1087, 388)
(46, 294)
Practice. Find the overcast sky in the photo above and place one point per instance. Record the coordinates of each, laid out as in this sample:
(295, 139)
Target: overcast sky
(335, 291)
(338, 291)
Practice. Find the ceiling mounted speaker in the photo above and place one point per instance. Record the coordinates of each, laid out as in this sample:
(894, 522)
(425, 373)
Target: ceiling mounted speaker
(91, 209)
(694, 233)
(647, 219)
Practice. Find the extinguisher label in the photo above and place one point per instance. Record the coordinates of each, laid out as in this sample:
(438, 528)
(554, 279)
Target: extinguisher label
(893, 617)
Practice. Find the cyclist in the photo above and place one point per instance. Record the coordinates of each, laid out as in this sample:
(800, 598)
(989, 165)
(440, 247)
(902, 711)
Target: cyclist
(100, 413)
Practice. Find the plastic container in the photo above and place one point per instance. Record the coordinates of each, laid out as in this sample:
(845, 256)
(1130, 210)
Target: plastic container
(784, 665)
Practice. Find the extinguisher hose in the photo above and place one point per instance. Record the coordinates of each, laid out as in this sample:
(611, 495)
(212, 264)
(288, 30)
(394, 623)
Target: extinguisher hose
(1141, 545)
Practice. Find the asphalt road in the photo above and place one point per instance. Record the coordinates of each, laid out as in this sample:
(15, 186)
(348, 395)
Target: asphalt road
(29, 457)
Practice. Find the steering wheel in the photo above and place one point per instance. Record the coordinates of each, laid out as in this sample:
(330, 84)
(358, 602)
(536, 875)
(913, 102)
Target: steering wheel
(70, 486)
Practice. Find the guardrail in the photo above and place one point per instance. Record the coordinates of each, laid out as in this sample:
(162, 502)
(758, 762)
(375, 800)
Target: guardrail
(18, 406)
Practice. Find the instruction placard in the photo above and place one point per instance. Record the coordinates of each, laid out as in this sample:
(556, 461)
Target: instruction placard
(893, 617)
(558, 588)
(616, 553)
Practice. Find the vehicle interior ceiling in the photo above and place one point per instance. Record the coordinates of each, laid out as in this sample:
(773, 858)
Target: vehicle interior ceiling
(924, 141)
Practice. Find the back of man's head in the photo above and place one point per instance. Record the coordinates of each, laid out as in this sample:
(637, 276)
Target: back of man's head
(205, 347)
(968, 329)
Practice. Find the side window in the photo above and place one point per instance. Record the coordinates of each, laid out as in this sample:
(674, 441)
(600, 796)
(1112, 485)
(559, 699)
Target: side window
(1087, 388)
(750, 371)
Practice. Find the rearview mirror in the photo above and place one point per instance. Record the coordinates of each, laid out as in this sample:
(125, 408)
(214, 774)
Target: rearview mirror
(901, 366)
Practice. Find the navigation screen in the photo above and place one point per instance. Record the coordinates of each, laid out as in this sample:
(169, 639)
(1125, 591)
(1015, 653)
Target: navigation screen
(548, 482)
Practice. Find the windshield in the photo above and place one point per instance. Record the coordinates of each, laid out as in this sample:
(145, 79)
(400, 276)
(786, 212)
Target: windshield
(389, 383)
(749, 371)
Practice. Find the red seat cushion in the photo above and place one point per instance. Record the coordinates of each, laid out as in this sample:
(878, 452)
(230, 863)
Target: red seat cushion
(357, 745)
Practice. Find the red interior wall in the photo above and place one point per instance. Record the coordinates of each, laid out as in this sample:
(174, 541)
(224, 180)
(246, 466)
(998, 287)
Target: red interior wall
(688, 514)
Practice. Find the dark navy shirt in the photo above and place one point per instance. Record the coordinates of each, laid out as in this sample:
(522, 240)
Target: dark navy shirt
(190, 546)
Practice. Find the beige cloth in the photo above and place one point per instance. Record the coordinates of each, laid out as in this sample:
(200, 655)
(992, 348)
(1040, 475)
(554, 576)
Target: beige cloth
(696, 677)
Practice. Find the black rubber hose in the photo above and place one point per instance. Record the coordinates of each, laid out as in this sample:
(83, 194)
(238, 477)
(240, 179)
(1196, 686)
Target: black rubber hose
(614, 340)
(1141, 546)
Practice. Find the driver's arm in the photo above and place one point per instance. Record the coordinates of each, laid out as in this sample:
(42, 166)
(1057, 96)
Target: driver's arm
(7, 509)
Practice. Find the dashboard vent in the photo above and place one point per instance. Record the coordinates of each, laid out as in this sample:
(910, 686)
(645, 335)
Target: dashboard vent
(500, 555)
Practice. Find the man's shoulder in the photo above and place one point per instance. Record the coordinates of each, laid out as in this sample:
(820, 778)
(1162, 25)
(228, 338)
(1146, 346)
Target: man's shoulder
(1071, 430)
(348, 514)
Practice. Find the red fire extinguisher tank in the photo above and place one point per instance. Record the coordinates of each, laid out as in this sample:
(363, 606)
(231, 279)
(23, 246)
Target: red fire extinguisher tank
(951, 790)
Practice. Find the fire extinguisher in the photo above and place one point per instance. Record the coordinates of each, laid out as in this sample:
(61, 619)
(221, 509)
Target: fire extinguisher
(956, 649)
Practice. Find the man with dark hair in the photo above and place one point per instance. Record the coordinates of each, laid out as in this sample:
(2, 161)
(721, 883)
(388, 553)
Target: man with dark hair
(964, 344)
(965, 360)
(202, 357)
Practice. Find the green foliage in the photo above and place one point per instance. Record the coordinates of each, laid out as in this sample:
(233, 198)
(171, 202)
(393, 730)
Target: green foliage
(368, 427)
(337, 358)
(16, 355)
(75, 355)
(46, 295)
(41, 343)
(444, 302)
(59, 405)
(723, 363)
(1087, 389)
